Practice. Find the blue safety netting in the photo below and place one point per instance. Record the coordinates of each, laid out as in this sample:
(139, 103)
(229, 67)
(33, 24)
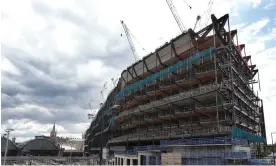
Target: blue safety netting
(223, 153)
(201, 141)
(239, 133)
(261, 162)
(133, 150)
(173, 68)
(150, 148)
(144, 160)
(203, 161)
(152, 160)
(110, 122)
(128, 152)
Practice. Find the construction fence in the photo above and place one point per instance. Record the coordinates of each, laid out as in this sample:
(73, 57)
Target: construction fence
(195, 151)
(46, 160)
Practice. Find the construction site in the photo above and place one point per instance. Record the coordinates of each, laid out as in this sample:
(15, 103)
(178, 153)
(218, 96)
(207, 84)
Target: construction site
(190, 102)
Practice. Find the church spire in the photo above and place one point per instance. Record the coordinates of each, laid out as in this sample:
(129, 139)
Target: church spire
(53, 133)
(54, 127)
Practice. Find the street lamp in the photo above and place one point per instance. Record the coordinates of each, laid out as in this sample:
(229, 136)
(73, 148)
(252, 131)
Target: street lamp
(273, 146)
(7, 143)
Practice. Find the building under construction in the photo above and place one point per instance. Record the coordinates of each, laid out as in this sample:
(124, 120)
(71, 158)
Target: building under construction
(190, 102)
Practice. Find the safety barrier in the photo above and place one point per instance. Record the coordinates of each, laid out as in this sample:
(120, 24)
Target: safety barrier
(126, 152)
(239, 133)
(180, 64)
(205, 141)
(223, 153)
(134, 150)
(203, 161)
(173, 98)
(261, 162)
(144, 160)
(154, 160)
(166, 133)
(150, 148)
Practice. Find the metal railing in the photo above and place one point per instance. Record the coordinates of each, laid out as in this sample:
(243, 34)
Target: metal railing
(174, 98)
(166, 132)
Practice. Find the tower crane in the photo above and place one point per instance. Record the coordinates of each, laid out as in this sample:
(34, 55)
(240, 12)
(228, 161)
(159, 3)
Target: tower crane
(207, 15)
(131, 44)
(176, 16)
(208, 11)
(197, 20)
(92, 114)
(102, 91)
(114, 81)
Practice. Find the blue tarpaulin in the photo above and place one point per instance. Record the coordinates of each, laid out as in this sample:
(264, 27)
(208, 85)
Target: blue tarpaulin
(239, 133)
(173, 68)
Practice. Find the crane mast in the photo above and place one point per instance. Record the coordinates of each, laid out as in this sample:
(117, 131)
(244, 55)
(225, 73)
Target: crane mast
(102, 91)
(197, 21)
(130, 41)
(206, 14)
(209, 9)
(176, 16)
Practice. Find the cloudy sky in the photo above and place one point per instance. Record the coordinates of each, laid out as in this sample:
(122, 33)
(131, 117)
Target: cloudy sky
(56, 55)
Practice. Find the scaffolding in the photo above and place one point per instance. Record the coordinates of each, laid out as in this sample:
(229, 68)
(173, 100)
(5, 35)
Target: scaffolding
(198, 85)
(194, 151)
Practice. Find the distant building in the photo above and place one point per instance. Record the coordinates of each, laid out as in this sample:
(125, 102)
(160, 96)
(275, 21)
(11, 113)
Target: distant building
(42, 136)
(39, 147)
(13, 139)
(12, 148)
(53, 134)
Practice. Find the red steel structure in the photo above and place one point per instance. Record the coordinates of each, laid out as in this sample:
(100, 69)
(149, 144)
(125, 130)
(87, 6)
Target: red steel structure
(206, 98)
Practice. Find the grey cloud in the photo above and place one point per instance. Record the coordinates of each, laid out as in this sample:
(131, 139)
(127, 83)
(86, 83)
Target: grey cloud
(37, 85)
(43, 84)
(41, 7)
(63, 14)
(119, 60)
(8, 101)
(47, 92)
(30, 134)
(65, 115)
(114, 54)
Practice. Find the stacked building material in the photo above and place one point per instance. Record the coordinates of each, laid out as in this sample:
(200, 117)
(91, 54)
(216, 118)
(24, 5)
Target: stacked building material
(164, 158)
(171, 158)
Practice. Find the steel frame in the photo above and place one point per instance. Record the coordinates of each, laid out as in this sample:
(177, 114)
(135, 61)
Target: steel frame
(231, 102)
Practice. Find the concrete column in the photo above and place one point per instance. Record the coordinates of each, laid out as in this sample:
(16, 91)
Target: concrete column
(131, 161)
(124, 161)
(139, 159)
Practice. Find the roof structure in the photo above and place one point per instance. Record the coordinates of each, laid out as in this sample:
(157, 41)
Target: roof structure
(39, 144)
(11, 145)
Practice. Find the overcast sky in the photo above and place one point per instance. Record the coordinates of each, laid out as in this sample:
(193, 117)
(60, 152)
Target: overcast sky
(56, 55)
